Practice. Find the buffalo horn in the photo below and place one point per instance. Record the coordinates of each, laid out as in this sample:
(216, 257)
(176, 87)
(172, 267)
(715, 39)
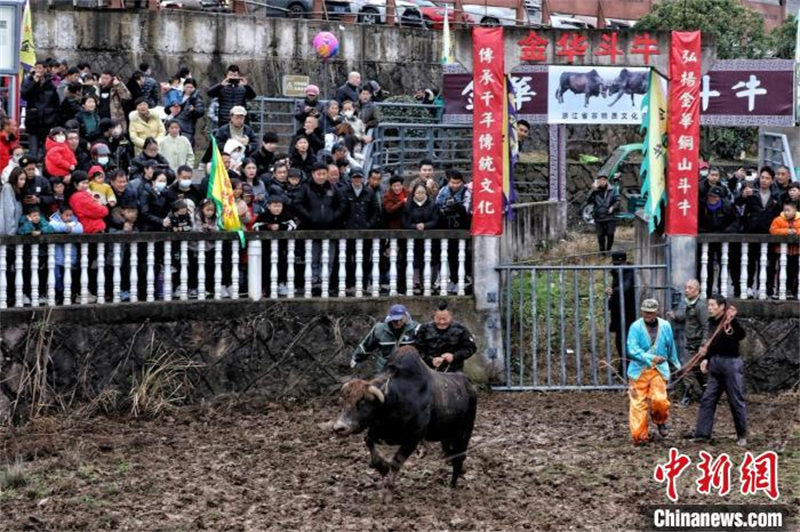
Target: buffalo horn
(374, 390)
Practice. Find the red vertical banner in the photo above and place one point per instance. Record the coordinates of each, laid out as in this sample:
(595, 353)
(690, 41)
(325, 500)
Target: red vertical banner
(684, 134)
(489, 130)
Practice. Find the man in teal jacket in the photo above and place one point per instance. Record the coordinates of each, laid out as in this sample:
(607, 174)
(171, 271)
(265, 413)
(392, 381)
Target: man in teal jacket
(396, 330)
(651, 348)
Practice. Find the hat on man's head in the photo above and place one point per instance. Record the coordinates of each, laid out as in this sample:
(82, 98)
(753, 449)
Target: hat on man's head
(703, 165)
(312, 89)
(397, 312)
(26, 160)
(238, 110)
(356, 172)
(649, 305)
(618, 256)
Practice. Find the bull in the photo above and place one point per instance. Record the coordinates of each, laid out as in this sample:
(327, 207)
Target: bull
(406, 404)
(628, 83)
(588, 83)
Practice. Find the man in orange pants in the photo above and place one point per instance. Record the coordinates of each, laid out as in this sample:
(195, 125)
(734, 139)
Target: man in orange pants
(651, 347)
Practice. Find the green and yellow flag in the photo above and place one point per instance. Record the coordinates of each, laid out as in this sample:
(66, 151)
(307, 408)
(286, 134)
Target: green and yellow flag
(221, 192)
(27, 51)
(654, 123)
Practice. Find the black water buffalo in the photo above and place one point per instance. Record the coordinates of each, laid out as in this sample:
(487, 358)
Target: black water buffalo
(405, 404)
(628, 83)
(588, 83)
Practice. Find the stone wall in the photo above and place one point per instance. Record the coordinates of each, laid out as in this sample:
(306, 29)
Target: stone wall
(264, 48)
(281, 349)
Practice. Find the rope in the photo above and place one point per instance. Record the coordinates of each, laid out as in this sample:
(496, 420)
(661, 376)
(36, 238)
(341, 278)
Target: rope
(724, 324)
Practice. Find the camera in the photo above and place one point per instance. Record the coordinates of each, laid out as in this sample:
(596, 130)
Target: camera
(234, 82)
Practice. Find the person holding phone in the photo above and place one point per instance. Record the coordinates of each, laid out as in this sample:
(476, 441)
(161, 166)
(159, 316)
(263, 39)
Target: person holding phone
(231, 92)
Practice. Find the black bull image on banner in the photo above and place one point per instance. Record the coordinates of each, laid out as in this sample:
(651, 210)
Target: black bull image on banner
(406, 404)
(592, 84)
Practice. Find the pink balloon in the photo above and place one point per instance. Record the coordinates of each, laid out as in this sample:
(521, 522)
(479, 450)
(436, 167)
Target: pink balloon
(326, 44)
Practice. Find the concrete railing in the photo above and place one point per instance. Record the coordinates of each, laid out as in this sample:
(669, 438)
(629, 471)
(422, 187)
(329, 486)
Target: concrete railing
(749, 266)
(55, 270)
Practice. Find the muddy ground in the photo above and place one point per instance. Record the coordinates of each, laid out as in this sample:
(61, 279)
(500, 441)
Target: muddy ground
(539, 462)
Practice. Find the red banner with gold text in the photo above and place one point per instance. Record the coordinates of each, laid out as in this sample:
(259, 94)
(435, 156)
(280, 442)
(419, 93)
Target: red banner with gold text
(489, 129)
(683, 134)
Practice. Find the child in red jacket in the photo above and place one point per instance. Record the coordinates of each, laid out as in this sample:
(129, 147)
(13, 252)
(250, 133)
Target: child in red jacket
(59, 159)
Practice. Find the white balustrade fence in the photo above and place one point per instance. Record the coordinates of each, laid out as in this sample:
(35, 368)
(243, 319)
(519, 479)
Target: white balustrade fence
(749, 266)
(113, 268)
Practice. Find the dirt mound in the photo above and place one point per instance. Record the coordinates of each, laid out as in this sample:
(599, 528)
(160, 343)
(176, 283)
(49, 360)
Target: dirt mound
(537, 462)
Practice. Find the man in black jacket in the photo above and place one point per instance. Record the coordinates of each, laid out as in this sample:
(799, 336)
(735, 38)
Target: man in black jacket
(192, 109)
(319, 205)
(444, 344)
(232, 91)
(606, 204)
(43, 104)
(362, 213)
(349, 91)
(717, 215)
(761, 206)
(621, 303)
(37, 191)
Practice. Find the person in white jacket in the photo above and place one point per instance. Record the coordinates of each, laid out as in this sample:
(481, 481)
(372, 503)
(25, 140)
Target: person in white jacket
(175, 147)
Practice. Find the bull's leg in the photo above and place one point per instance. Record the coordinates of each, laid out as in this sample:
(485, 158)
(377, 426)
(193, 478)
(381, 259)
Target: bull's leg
(398, 460)
(586, 103)
(560, 95)
(632, 100)
(455, 451)
(377, 461)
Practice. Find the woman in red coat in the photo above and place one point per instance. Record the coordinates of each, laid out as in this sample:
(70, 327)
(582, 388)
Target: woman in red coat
(90, 211)
(59, 159)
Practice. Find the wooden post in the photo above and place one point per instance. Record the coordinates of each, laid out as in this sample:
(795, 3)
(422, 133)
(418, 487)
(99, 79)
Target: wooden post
(239, 7)
(116, 4)
(520, 15)
(318, 9)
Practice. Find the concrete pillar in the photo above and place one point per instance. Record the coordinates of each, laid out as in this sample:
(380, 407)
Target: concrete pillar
(681, 259)
(486, 287)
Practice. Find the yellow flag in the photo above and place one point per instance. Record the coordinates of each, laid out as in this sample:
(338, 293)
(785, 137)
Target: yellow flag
(654, 107)
(221, 192)
(27, 51)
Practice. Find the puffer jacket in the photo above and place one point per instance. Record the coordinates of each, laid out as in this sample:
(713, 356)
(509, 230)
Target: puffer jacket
(90, 213)
(140, 129)
(320, 206)
(783, 226)
(58, 158)
(427, 213)
(229, 96)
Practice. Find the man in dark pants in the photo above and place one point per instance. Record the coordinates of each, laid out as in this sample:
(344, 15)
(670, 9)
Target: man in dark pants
(725, 370)
(617, 320)
(606, 204)
(443, 344)
(692, 313)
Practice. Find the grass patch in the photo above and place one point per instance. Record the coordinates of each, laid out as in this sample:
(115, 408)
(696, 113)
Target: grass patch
(13, 476)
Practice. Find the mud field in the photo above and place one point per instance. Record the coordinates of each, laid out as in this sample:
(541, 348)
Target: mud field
(538, 462)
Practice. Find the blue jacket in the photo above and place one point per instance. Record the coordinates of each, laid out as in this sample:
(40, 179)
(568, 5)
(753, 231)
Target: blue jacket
(641, 353)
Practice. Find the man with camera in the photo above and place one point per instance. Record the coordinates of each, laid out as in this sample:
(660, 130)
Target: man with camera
(454, 203)
(232, 91)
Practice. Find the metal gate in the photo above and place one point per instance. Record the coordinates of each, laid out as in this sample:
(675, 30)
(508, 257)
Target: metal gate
(560, 321)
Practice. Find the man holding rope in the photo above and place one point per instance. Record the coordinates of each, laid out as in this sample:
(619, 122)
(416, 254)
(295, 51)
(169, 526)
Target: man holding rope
(725, 368)
(651, 347)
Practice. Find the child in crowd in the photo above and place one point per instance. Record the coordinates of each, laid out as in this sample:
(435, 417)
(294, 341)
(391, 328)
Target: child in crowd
(64, 221)
(275, 218)
(59, 159)
(58, 194)
(33, 223)
(180, 219)
(123, 217)
(98, 186)
(205, 217)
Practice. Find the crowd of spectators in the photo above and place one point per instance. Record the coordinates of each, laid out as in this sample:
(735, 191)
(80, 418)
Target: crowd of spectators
(121, 157)
(763, 202)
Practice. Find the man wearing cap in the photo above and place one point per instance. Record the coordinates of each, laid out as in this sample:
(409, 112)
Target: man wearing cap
(443, 344)
(310, 106)
(396, 330)
(651, 348)
(232, 91)
(605, 201)
(237, 130)
(144, 124)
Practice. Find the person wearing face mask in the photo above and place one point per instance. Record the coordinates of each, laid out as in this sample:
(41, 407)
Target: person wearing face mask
(183, 189)
(101, 156)
(16, 156)
(651, 349)
(154, 206)
(606, 204)
(89, 211)
(59, 159)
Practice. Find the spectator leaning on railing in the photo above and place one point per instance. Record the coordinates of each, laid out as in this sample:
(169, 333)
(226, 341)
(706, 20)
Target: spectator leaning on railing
(787, 223)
